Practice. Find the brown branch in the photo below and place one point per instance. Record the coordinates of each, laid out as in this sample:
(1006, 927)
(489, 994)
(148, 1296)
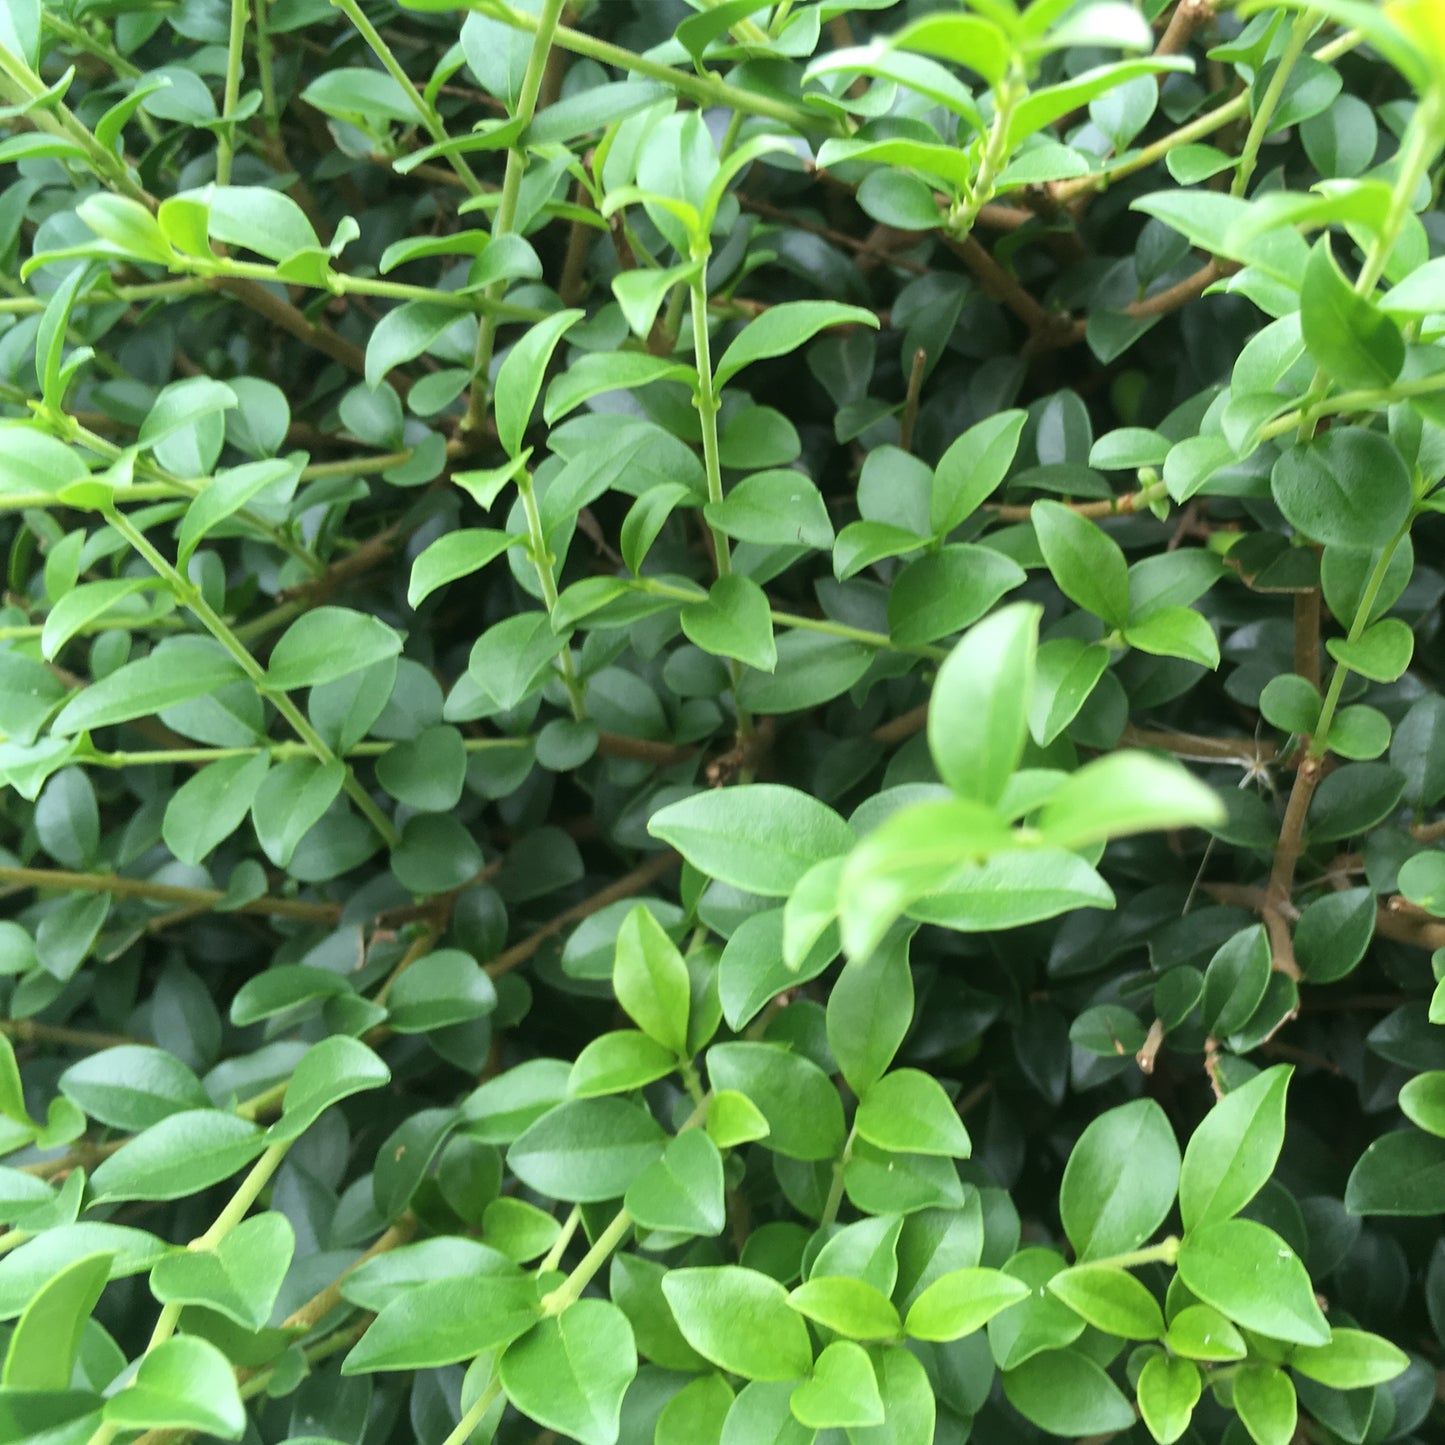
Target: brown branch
(624, 887)
(27, 1031)
(1120, 506)
(1004, 288)
(309, 1315)
(1153, 1042)
(294, 321)
(1161, 303)
(1291, 838)
(1199, 748)
(119, 887)
(1188, 16)
(901, 728)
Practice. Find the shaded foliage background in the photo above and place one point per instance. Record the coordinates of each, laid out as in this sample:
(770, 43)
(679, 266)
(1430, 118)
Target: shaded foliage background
(297, 759)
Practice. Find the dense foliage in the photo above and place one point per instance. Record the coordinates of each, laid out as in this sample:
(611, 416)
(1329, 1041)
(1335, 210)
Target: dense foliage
(721, 722)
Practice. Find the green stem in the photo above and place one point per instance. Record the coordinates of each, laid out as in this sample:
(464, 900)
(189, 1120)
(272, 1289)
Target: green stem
(190, 596)
(426, 113)
(570, 1290)
(708, 404)
(1418, 149)
(857, 634)
(1300, 32)
(553, 1257)
(543, 561)
(1320, 738)
(234, 1212)
(1197, 129)
(702, 90)
(473, 1417)
(278, 752)
(264, 67)
(355, 466)
(1007, 95)
(235, 57)
(505, 218)
(834, 1201)
(1165, 1252)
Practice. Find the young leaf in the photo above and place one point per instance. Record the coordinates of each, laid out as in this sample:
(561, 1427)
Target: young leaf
(739, 1320)
(761, 837)
(1087, 564)
(978, 719)
(784, 328)
(1232, 1154)
(519, 379)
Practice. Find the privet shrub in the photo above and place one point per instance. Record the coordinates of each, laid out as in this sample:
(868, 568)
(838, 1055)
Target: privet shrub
(721, 722)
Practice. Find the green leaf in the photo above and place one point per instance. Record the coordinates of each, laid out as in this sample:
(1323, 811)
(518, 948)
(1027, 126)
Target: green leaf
(972, 469)
(84, 604)
(440, 990)
(1382, 652)
(908, 1112)
(1066, 671)
(182, 1154)
(290, 800)
(570, 1372)
(1349, 487)
(1251, 1275)
(770, 505)
(511, 661)
(735, 621)
(132, 1087)
(47, 1337)
(1200, 1332)
(457, 554)
(850, 1307)
(1111, 1300)
(129, 227)
(1235, 981)
(912, 857)
(328, 643)
(1120, 1181)
(207, 808)
(1402, 1173)
(968, 40)
(1175, 632)
(1123, 793)
(404, 333)
(869, 1012)
(740, 1321)
(330, 1071)
(604, 371)
(1168, 1391)
(185, 1383)
(1067, 1393)
(586, 1150)
(617, 1063)
(440, 1321)
(427, 772)
(1422, 1101)
(978, 718)
(734, 1119)
(682, 1192)
(784, 328)
(1265, 1401)
(962, 1301)
(696, 1414)
(1232, 1154)
(1087, 564)
(239, 1278)
(1291, 703)
(760, 837)
(25, 1270)
(1350, 339)
(520, 377)
(178, 670)
(1353, 1360)
(948, 590)
(651, 980)
(842, 1391)
(800, 1104)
